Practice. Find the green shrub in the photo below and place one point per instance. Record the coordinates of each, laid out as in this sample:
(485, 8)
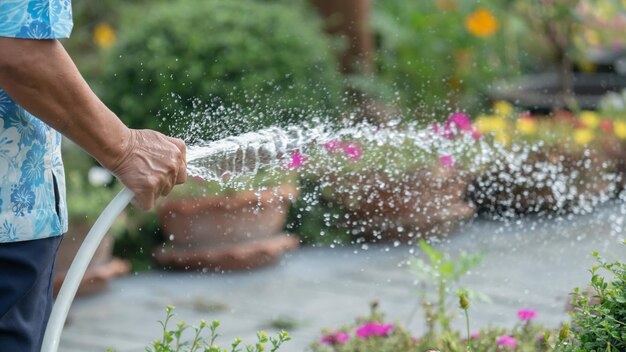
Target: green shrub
(599, 319)
(248, 63)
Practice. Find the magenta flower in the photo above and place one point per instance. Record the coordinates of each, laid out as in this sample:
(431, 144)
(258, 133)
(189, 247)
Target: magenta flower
(369, 329)
(297, 160)
(475, 335)
(335, 338)
(458, 122)
(333, 146)
(507, 341)
(446, 161)
(353, 151)
(461, 121)
(526, 314)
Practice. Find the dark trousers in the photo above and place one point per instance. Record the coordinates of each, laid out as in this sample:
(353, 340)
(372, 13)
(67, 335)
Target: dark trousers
(26, 274)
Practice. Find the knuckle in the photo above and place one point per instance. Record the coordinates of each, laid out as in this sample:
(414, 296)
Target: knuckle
(153, 182)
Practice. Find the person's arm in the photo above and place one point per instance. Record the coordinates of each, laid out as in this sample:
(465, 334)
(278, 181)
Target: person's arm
(41, 77)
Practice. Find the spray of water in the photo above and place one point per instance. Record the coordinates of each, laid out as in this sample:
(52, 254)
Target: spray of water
(508, 180)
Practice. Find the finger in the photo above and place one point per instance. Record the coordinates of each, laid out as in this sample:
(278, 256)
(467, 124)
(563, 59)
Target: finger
(182, 167)
(181, 176)
(181, 145)
(144, 201)
(169, 183)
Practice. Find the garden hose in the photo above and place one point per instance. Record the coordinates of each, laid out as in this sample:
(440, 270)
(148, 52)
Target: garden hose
(79, 266)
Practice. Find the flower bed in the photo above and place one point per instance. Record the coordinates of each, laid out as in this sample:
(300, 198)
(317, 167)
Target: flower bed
(597, 323)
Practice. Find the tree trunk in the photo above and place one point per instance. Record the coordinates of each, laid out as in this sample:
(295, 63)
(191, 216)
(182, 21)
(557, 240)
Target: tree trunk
(566, 78)
(350, 19)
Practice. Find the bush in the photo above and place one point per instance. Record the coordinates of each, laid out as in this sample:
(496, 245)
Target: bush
(270, 61)
(599, 320)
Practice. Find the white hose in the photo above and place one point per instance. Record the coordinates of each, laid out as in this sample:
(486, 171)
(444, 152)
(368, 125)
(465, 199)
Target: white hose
(79, 266)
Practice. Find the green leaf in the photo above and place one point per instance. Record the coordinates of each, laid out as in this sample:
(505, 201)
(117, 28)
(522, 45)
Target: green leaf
(434, 255)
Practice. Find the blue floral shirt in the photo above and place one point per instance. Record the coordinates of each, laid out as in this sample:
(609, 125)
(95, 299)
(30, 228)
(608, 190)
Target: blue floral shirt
(32, 181)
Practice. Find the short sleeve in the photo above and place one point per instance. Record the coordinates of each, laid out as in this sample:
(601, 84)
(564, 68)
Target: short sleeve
(36, 19)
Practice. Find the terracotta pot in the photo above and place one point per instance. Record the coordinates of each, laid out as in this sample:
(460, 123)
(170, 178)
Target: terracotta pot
(419, 203)
(102, 268)
(238, 231)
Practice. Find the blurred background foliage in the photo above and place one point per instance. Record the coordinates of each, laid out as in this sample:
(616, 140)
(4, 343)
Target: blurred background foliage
(155, 61)
(149, 59)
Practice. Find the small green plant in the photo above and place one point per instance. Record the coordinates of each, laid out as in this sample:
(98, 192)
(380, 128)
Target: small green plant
(599, 316)
(174, 341)
(445, 273)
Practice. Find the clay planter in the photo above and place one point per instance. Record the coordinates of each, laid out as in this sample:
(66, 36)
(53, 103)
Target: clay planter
(230, 232)
(553, 181)
(102, 268)
(417, 204)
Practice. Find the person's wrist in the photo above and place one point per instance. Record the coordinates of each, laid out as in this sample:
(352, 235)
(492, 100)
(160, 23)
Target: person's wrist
(116, 152)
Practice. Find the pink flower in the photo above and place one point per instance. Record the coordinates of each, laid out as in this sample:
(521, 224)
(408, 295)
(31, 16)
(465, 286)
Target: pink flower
(333, 146)
(475, 335)
(446, 161)
(507, 341)
(458, 122)
(461, 121)
(353, 151)
(526, 314)
(369, 329)
(297, 160)
(335, 338)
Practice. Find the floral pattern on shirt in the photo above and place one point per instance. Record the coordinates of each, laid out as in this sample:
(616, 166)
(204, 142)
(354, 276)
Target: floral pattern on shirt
(32, 179)
(36, 19)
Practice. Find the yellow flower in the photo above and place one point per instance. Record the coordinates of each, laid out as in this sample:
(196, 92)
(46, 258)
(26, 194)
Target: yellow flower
(619, 127)
(104, 35)
(482, 23)
(490, 123)
(590, 119)
(526, 125)
(482, 124)
(502, 137)
(583, 136)
(502, 108)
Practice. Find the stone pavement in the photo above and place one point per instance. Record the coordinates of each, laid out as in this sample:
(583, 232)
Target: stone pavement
(531, 263)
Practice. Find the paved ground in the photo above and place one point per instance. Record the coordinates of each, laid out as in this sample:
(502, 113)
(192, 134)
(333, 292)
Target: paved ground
(532, 263)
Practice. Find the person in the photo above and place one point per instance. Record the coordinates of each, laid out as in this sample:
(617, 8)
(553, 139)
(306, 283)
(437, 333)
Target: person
(42, 95)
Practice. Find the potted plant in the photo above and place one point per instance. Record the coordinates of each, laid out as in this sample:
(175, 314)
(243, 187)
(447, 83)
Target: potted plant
(89, 189)
(232, 226)
(400, 184)
(543, 164)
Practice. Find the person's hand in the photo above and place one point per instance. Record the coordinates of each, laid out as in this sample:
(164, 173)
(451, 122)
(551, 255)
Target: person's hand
(151, 165)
